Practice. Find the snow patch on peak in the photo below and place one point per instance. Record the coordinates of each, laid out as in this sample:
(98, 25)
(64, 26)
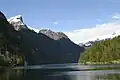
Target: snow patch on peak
(17, 22)
(15, 19)
(35, 29)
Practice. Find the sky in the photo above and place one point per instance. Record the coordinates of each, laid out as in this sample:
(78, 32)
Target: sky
(74, 17)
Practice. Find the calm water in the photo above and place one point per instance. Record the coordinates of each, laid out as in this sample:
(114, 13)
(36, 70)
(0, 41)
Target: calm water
(60, 73)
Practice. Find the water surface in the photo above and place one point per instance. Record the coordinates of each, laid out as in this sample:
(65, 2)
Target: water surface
(60, 73)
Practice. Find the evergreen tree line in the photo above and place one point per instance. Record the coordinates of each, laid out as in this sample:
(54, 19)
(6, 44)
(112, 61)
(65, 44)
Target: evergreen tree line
(103, 52)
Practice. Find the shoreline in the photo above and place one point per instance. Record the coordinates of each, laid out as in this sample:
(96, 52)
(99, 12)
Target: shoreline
(100, 63)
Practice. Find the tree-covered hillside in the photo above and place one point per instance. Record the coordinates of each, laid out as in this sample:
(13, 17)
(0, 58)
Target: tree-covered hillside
(104, 52)
(9, 44)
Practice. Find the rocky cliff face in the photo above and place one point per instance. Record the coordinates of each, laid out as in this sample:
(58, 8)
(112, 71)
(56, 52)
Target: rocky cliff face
(53, 35)
(41, 48)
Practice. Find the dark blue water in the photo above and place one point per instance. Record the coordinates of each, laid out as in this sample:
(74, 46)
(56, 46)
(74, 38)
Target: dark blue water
(60, 72)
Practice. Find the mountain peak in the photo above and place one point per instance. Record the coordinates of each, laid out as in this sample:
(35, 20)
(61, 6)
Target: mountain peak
(16, 18)
(52, 34)
(17, 22)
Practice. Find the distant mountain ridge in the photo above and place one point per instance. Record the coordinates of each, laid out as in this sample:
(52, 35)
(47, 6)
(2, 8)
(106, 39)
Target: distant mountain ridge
(18, 24)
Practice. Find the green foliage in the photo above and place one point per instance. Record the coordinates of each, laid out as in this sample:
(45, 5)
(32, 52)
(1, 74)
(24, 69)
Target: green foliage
(11, 60)
(108, 77)
(9, 52)
(104, 52)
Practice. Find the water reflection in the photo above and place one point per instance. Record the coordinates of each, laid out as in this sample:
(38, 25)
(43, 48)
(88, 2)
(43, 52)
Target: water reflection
(12, 75)
(36, 74)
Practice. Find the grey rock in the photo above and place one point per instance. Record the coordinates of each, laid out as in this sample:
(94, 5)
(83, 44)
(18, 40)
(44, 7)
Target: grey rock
(53, 35)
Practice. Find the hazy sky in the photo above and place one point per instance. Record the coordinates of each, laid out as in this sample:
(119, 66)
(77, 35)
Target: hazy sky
(61, 15)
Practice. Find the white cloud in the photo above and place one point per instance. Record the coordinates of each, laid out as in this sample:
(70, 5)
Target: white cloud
(56, 22)
(99, 31)
(116, 16)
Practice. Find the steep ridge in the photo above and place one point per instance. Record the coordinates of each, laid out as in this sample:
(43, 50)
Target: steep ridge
(39, 48)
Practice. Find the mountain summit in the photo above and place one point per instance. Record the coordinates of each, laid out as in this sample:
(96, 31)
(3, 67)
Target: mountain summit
(17, 22)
